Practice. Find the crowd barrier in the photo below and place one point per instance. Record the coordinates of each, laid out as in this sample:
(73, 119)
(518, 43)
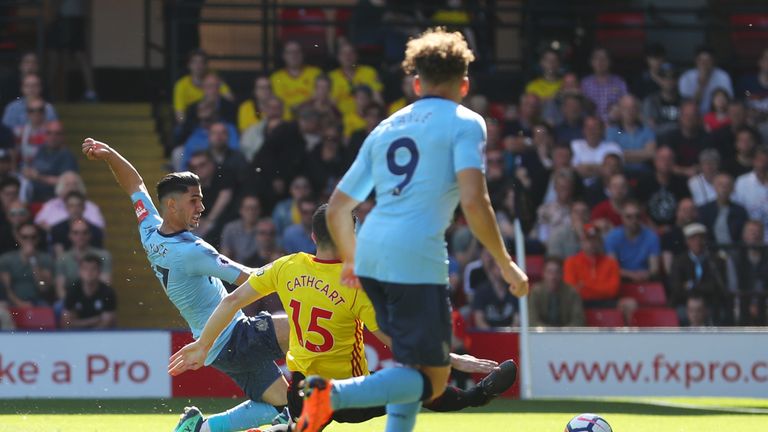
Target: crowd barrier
(566, 363)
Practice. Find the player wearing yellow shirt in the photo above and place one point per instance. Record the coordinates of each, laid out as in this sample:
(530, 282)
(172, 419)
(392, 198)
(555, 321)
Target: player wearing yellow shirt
(189, 88)
(349, 75)
(549, 83)
(294, 83)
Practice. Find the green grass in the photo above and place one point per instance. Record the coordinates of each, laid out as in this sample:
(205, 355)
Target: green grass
(625, 415)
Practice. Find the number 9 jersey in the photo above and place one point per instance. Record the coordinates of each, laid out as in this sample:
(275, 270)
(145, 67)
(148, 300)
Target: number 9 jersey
(410, 160)
(326, 318)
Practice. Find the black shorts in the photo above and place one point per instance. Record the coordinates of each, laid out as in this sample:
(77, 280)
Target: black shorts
(249, 356)
(417, 317)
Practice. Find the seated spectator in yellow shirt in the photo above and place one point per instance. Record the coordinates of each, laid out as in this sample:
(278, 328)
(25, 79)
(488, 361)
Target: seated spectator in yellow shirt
(355, 120)
(548, 84)
(294, 83)
(348, 75)
(251, 111)
(322, 103)
(189, 88)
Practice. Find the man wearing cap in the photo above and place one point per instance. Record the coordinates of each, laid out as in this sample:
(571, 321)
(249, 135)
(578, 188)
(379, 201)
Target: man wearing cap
(723, 218)
(594, 274)
(696, 272)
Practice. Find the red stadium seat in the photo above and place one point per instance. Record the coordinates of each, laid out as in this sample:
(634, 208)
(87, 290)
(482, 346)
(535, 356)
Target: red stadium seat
(627, 43)
(646, 294)
(34, 318)
(534, 267)
(749, 36)
(305, 26)
(655, 317)
(604, 318)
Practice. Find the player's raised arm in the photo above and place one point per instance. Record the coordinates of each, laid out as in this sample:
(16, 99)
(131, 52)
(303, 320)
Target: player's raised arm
(477, 208)
(192, 356)
(342, 228)
(125, 174)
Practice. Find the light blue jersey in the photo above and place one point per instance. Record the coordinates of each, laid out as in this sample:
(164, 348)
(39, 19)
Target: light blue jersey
(411, 160)
(190, 271)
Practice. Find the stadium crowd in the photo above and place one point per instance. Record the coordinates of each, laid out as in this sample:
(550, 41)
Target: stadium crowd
(611, 183)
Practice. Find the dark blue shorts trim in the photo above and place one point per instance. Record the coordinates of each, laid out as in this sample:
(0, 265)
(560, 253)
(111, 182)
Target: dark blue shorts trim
(250, 354)
(417, 317)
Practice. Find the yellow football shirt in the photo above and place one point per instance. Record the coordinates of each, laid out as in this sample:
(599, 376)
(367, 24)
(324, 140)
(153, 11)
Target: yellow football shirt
(326, 318)
(294, 90)
(544, 89)
(185, 93)
(341, 87)
(396, 106)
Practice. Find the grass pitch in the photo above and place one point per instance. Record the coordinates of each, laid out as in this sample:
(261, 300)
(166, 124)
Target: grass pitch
(624, 415)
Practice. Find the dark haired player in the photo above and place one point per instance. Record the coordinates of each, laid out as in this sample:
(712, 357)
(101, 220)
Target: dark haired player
(190, 271)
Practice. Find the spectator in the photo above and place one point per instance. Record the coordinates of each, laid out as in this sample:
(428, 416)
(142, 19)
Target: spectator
(548, 84)
(16, 112)
(724, 138)
(635, 246)
(373, 114)
(673, 241)
(747, 139)
(11, 85)
(68, 263)
(650, 79)
(687, 139)
(284, 153)
(571, 126)
(31, 137)
(755, 88)
(75, 202)
(528, 115)
(493, 305)
(55, 210)
(328, 162)
(223, 109)
(552, 302)
(552, 109)
(409, 95)
(349, 75)
(218, 188)
(597, 191)
(565, 241)
(26, 273)
(254, 137)
(294, 82)
(592, 273)
(752, 188)
(90, 303)
(561, 161)
(225, 157)
(286, 212)
(699, 83)
(602, 88)
(515, 205)
(698, 273)
(322, 103)
(353, 120)
(528, 164)
(661, 190)
(723, 218)
(607, 214)
(253, 109)
(205, 136)
(50, 162)
(15, 215)
(189, 88)
(238, 238)
(298, 237)
(701, 185)
(637, 141)
(717, 116)
(751, 268)
(553, 215)
(589, 153)
(266, 240)
(661, 109)
(697, 313)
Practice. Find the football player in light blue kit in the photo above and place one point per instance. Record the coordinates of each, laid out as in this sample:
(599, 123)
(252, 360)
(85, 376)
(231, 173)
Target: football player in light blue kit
(421, 162)
(190, 271)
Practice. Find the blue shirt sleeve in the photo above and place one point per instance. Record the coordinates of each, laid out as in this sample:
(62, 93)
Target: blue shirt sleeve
(358, 181)
(611, 243)
(146, 212)
(234, 139)
(203, 260)
(468, 149)
(654, 243)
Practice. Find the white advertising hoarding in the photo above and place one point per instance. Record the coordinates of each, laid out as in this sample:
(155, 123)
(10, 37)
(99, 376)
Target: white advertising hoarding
(649, 363)
(85, 364)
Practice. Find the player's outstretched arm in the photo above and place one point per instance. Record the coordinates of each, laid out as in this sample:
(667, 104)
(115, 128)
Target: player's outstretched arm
(192, 356)
(125, 174)
(482, 221)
